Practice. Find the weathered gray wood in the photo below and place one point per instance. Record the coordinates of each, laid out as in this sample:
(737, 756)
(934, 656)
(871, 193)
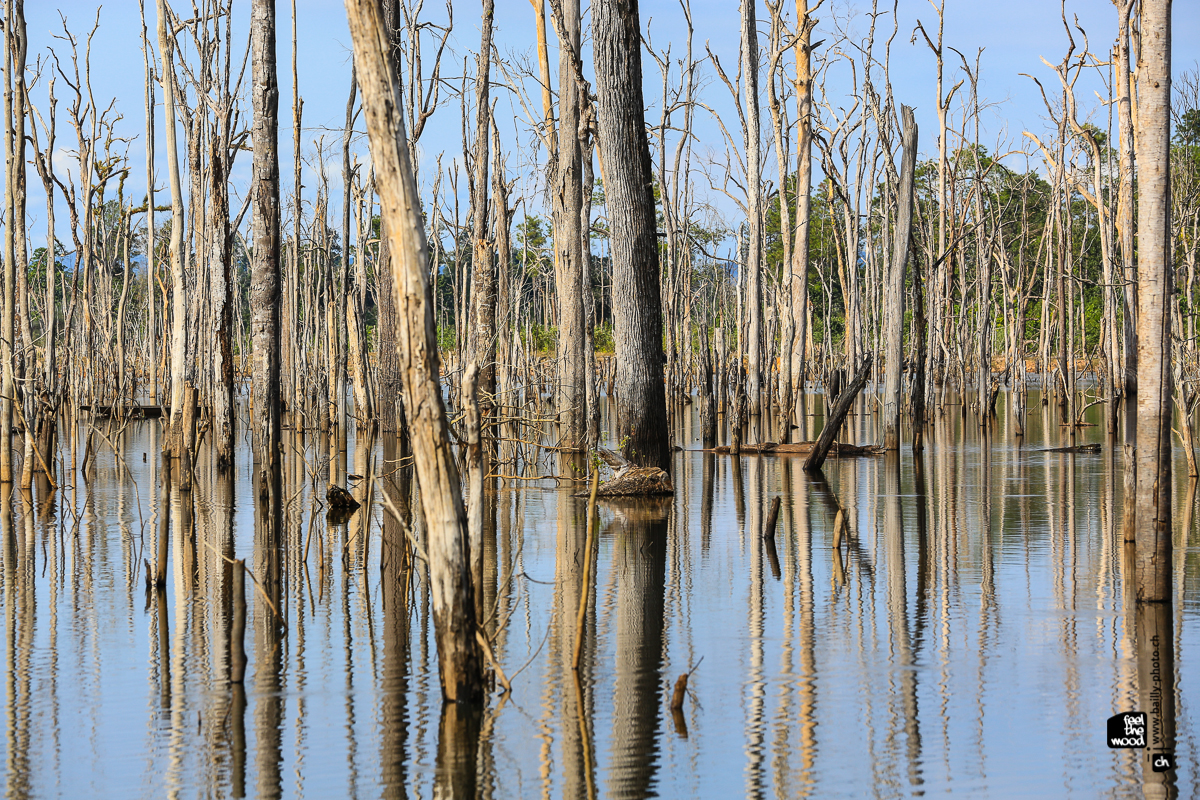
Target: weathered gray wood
(894, 291)
(481, 333)
(832, 425)
(459, 658)
(265, 295)
(1154, 295)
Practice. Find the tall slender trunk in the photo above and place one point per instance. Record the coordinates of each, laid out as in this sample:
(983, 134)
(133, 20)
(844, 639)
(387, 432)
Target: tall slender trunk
(754, 333)
(265, 272)
(459, 655)
(151, 290)
(221, 295)
(637, 309)
(482, 326)
(571, 378)
(1154, 317)
(7, 328)
(894, 289)
(799, 265)
(166, 44)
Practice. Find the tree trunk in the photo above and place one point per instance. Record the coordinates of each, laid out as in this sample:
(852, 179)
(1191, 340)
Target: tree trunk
(221, 295)
(166, 44)
(637, 309)
(459, 659)
(753, 265)
(571, 378)
(482, 331)
(894, 291)
(1154, 317)
(265, 294)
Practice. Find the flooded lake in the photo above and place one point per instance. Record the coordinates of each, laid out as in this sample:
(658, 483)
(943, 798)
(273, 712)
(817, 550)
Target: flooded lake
(971, 636)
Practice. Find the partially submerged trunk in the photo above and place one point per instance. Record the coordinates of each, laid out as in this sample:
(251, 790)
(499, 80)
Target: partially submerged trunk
(459, 656)
(894, 290)
(265, 296)
(637, 309)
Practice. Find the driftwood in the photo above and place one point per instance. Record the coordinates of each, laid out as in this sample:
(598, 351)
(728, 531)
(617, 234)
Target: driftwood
(630, 480)
(803, 448)
(1079, 448)
(817, 457)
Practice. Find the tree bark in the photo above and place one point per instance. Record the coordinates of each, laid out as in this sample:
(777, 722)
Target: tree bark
(571, 377)
(482, 332)
(459, 659)
(629, 190)
(1154, 317)
(265, 294)
(166, 45)
(894, 291)
(753, 264)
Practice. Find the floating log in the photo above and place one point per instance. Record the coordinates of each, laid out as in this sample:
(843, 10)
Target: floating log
(837, 449)
(337, 497)
(1079, 448)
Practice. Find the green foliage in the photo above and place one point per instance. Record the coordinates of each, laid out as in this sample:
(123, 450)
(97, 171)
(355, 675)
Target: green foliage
(604, 338)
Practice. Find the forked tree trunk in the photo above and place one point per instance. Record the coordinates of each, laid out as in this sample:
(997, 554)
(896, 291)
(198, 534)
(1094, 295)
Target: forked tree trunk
(894, 291)
(459, 656)
(1154, 317)
(637, 309)
(265, 297)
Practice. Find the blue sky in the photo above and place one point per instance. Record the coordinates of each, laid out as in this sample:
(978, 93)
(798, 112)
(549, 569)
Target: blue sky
(1014, 36)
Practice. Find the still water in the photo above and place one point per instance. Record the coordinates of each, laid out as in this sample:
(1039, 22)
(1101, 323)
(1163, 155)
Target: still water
(971, 637)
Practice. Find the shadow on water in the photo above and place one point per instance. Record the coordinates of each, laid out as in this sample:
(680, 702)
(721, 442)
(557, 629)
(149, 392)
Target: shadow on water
(977, 587)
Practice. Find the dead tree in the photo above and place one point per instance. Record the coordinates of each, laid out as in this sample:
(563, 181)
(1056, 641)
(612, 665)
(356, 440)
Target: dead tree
(265, 221)
(637, 309)
(894, 289)
(459, 655)
(1154, 315)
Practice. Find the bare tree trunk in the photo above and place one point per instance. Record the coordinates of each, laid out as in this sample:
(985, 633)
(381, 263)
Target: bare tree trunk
(754, 332)
(14, 14)
(221, 295)
(151, 289)
(265, 295)
(799, 265)
(637, 309)
(459, 654)
(571, 377)
(482, 326)
(1125, 224)
(894, 291)
(1154, 317)
(166, 44)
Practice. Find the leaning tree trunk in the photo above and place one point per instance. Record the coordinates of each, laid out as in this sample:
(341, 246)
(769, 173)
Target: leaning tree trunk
(459, 656)
(637, 310)
(265, 295)
(1154, 317)
(894, 291)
